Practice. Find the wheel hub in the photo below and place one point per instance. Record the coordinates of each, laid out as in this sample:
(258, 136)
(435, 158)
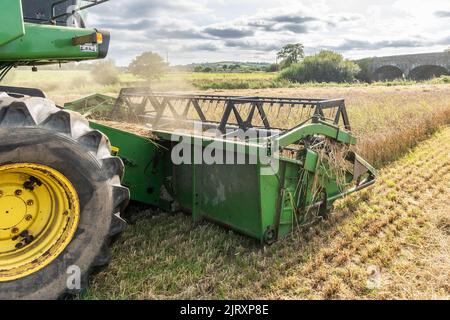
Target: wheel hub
(39, 214)
(12, 213)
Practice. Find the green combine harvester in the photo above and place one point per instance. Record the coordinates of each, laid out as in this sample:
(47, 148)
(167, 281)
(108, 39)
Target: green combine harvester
(263, 166)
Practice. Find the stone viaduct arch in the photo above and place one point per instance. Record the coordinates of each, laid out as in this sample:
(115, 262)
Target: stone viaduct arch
(414, 66)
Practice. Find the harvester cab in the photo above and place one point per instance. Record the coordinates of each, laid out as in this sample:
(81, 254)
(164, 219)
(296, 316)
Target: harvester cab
(61, 12)
(48, 32)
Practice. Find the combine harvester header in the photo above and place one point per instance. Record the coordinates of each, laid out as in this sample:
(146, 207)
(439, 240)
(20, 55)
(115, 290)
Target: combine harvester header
(259, 165)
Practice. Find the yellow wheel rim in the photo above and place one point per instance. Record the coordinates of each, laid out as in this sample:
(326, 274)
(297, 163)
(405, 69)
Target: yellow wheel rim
(39, 214)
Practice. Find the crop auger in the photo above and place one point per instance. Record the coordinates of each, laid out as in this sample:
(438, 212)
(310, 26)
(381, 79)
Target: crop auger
(262, 166)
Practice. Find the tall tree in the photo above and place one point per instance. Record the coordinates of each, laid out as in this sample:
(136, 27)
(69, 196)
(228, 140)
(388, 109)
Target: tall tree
(149, 66)
(291, 53)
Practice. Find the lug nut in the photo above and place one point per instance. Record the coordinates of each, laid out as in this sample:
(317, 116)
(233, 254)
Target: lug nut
(30, 202)
(18, 192)
(66, 213)
(15, 230)
(28, 217)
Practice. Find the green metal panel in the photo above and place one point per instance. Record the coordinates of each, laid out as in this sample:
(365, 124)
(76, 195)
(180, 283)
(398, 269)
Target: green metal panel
(229, 194)
(182, 182)
(270, 189)
(45, 42)
(12, 21)
(254, 199)
(221, 144)
(98, 106)
(312, 129)
(242, 197)
(287, 217)
(311, 161)
(145, 164)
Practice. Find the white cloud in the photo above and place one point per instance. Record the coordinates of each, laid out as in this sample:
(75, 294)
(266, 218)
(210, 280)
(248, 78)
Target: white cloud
(201, 30)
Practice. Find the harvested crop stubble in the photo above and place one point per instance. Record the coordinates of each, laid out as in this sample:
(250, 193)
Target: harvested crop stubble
(400, 233)
(390, 241)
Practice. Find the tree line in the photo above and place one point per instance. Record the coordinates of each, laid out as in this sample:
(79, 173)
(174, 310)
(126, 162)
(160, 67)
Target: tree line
(325, 66)
(292, 65)
(148, 66)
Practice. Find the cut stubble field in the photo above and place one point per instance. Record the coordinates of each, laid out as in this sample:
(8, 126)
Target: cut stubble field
(389, 242)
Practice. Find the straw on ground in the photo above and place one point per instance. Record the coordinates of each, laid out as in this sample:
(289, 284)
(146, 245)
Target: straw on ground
(390, 242)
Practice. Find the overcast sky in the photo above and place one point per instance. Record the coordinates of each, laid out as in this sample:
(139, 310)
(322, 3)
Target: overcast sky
(253, 30)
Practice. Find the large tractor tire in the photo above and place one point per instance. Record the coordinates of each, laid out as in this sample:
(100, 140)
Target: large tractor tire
(60, 199)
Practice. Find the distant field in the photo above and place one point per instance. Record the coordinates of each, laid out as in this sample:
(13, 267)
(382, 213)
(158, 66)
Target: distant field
(75, 84)
(67, 85)
(219, 76)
